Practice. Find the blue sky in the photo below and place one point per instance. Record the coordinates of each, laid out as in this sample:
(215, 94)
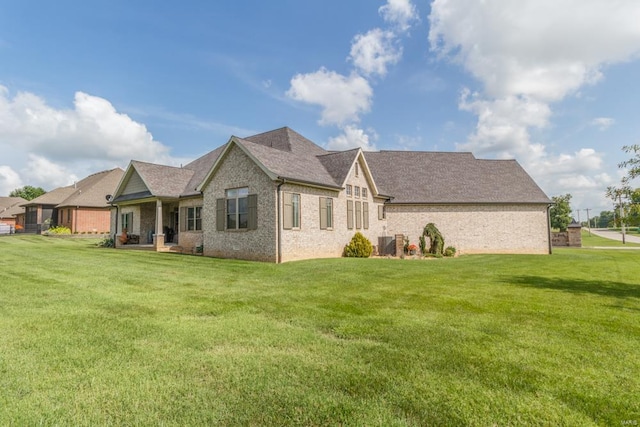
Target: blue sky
(87, 86)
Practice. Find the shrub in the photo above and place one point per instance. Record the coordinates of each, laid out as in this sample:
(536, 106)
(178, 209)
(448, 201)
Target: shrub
(106, 243)
(359, 247)
(449, 251)
(58, 230)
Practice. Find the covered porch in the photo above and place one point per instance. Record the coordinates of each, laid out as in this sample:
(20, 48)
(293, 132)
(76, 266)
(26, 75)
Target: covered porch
(149, 225)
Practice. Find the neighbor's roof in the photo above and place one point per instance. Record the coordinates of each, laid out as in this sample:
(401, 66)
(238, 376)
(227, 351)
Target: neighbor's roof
(89, 192)
(11, 206)
(436, 177)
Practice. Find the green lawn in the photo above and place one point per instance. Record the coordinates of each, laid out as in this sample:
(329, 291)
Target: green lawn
(597, 241)
(92, 336)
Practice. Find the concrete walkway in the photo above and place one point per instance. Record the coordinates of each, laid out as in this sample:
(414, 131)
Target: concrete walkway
(616, 235)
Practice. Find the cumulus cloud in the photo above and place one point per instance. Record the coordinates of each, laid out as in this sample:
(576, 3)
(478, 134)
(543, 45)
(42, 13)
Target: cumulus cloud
(526, 59)
(400, 13)
(56, 142)
(342, 98)
(374, 51)
(352, 137)
(9, 180)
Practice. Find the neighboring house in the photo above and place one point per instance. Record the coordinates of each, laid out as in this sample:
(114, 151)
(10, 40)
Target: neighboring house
(11, 211)
(82, 207)
(278, 197)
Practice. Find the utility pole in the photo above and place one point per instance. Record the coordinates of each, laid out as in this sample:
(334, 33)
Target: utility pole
(588, 221)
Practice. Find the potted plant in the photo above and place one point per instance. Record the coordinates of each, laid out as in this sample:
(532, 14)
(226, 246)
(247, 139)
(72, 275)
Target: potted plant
(411, 249)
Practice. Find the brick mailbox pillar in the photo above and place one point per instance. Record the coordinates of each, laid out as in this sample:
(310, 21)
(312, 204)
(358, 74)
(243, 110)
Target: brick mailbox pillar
(575, 234)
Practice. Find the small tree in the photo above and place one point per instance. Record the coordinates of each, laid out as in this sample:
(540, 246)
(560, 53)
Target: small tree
(560, 212)
(437, 241)
(27, 192)
(359, 247)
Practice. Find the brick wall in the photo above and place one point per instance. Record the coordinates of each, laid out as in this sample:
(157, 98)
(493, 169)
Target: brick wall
(476, 228)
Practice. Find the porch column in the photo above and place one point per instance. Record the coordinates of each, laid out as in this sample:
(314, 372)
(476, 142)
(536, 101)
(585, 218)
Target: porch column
(158, 240)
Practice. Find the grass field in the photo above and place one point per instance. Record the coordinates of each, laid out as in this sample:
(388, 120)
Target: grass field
(597, 241)
(93, 336)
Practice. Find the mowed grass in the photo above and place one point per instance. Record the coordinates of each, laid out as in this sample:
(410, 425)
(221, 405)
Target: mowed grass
(93, 336)
(591, 240)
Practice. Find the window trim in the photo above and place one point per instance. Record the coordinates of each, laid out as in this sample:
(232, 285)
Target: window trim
(236, 195)
(349, 190)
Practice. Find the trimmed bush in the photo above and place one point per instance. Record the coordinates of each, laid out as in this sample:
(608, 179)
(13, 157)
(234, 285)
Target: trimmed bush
(449, 251)
(58, 230)
(359, 247)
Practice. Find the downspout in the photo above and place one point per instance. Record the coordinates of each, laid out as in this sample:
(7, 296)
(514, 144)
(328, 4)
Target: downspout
(278, 228)
(549, 229)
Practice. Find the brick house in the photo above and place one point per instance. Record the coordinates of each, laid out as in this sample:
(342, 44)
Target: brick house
(82, 207)
(279, 197)
(11, 211)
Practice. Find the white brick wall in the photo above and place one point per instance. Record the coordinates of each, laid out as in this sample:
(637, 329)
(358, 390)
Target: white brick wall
(477, 228)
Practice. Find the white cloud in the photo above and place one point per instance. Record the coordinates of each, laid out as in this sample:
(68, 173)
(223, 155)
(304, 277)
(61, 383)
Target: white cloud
(342, 98)
(528, 55)
(602, 123)
(352, 137)
(400, 13)
(372, 52)
(62, 145)
(9, 180)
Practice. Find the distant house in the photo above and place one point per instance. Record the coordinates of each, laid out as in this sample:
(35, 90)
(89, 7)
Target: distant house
(11, 211)
(82, 207)
(277, 197)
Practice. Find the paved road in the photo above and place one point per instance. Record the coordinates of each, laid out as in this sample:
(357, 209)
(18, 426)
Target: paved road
(615, 235)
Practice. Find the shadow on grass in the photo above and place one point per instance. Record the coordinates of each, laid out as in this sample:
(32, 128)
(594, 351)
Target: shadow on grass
(578, 286)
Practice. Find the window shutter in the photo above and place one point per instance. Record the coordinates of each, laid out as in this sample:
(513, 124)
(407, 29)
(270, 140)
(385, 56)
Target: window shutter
(323, 213)
(358, 215)
(287, 215)
(219, 214)
(380, 212)
(365, 215)
(252, 206)
(183, 219)
(350, 214)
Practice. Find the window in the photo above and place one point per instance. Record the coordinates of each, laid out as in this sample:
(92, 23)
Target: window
(68, 215)
(364, 193)
(326, 213)
(194, 218)
(358, 215)
(127, 221)
(357, 170)
(382, 214)
(237, 208)
(356, 191)
(291, 207)
(349, 190)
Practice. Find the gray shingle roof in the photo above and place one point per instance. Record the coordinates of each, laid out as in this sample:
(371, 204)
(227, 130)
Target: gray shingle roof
(406, 176)
(338, 164)
(200, 168)
(163, 181)
(431, 177)
(296, 165)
